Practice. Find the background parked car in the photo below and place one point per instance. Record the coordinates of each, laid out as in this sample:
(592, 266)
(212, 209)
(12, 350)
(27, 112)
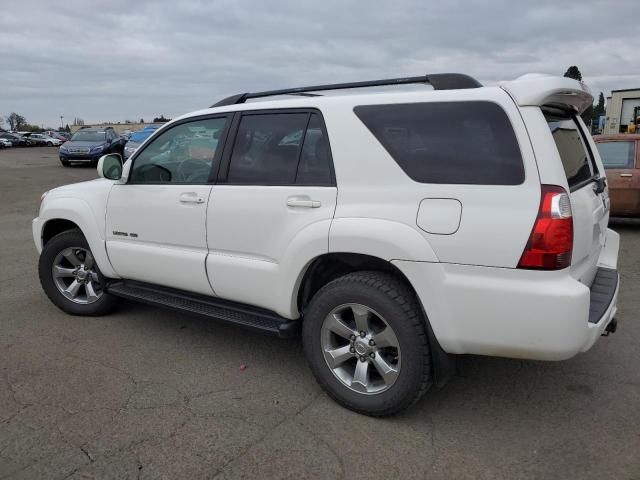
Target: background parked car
(4, 143)
(15, 139)
(57, 135)
(137, 138)
(621, 158)
(43, 139)
(89, 144)
(34, 140)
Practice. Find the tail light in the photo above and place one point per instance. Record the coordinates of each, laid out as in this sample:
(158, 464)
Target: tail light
(551, 240)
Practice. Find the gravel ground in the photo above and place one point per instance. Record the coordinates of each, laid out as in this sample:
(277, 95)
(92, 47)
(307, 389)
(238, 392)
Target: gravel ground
(149, 393)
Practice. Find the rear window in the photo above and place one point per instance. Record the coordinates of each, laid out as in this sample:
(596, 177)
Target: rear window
(572, 150)
(617, 154)
(448, 142)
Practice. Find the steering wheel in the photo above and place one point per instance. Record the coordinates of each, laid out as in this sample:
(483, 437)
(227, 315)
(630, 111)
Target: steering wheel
(157, 173)
(192, 169)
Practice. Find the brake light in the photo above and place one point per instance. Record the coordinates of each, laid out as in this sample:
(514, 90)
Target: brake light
(551, 240)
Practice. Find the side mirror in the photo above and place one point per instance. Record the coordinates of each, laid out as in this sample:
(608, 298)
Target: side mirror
(110, 166)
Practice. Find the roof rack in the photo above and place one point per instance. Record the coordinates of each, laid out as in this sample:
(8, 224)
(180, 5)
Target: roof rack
(439, 81)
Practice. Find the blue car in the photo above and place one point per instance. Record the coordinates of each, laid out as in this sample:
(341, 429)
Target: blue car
(87, 145)
(136, 139)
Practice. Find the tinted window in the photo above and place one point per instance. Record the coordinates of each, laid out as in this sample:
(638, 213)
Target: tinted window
(267, 148)
(573, 153)
(314, 167)
(182, 154)
(617, 154)
(452, 142)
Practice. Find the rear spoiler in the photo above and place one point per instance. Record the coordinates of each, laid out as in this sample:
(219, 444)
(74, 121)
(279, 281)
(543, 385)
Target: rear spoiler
(540, 90)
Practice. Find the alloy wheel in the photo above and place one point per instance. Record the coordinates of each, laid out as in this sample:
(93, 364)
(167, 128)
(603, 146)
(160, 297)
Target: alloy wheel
(75, 275)
(360, 348)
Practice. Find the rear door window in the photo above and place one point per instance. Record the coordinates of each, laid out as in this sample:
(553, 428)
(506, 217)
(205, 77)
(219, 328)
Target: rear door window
(571, 147)
(448, 142)
(280, 149)
(617, 154)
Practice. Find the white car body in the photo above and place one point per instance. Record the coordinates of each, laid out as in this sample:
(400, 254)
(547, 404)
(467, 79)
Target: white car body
(50, 140)
(458, 246)
(5, 143)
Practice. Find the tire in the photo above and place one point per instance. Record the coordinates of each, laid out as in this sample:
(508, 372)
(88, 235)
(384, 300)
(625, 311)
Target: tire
(49, 144)
(73, 243)
(386, 301)
(65, 163)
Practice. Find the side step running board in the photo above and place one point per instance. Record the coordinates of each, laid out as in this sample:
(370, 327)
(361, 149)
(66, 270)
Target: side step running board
(242, 315)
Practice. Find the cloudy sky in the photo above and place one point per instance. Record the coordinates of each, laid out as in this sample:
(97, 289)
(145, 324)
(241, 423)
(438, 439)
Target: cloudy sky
(119, 60)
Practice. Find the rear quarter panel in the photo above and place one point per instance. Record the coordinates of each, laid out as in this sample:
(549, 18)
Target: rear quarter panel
(496, 220)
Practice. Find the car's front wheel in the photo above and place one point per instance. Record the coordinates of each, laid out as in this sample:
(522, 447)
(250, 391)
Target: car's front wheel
(366, 342)
(70, 276)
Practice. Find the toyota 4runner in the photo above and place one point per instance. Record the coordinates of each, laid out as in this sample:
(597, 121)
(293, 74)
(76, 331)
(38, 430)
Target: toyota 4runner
(395, 228)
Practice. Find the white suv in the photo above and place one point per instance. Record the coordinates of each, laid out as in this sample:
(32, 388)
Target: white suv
(394, 227)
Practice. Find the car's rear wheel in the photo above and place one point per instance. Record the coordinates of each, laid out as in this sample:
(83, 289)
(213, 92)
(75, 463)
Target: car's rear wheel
(70, 276)
(366, 343)
(49, 144)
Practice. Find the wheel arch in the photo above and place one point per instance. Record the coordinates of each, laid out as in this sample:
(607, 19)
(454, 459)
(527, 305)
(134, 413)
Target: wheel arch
(61, 214)
(54, 226)
(327, 267)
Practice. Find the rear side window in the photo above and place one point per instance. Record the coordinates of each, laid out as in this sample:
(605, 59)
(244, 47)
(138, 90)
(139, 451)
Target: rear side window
(314, 166)
(448, 142)
(617, 154)
(280, 149)
(572, 150)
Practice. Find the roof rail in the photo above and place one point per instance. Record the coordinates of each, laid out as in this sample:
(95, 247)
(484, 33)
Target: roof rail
(439, 81)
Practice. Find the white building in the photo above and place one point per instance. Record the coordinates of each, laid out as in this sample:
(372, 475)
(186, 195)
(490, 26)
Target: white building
(621, 106)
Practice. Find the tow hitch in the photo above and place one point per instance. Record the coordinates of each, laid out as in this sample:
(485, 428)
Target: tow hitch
(611, 328)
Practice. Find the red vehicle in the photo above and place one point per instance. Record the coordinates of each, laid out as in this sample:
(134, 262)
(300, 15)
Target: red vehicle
(620, 155)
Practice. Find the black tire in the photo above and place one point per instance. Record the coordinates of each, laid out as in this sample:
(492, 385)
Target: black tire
(70, 238)
(394, 301)
(49, 144)
(65, 163)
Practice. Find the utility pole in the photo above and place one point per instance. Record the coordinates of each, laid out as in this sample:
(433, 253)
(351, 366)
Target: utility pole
(61, 124)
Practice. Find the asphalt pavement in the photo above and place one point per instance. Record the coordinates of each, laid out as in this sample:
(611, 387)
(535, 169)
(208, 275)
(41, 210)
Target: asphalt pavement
(149, 393)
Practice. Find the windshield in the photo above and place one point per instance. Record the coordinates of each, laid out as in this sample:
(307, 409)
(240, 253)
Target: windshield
(88, 136)
(141, 136)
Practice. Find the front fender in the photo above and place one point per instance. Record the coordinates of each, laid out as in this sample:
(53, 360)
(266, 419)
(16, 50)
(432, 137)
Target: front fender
(79, 212)
(380, 238)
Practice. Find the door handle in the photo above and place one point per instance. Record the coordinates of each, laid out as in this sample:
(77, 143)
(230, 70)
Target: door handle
(191, 197)
(303, 202)
(626, 174)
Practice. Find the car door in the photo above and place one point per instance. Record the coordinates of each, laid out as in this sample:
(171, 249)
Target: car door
(271, 209)
(155, 227)
(620, 161)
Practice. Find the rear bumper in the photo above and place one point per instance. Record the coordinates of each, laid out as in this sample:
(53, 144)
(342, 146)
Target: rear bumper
(603, 303)
(514, 313)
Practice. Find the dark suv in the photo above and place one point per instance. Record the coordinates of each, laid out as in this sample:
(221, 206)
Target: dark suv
(89, 144)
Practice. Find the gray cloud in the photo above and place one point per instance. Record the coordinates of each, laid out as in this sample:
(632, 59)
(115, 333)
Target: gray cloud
(122, 60)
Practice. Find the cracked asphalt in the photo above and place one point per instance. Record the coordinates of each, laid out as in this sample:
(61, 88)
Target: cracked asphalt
(148, 393)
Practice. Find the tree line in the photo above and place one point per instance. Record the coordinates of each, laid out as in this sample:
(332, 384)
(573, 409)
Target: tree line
(18, 123)
(594, 111)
